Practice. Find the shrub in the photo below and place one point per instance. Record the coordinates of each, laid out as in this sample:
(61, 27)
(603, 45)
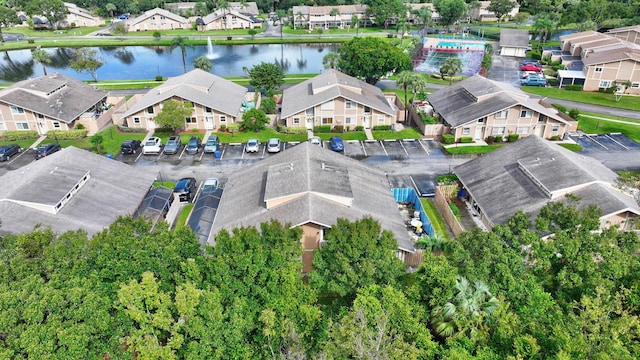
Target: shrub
(560, 107)
(359, 128)
(448, 139)
(491, 139)
(338, 129)
(574, 113)
(67, 135)
(610, 90)
(293, 130)
(466, 139)
(454, 209)
(223, 127)
(535, 55)
(157, 35)
(158, 77)
(31, 41)
(447, 179)
(573, 87)
(426, 118)
(268, 105)
(552, 82)
(19, 135)
(382, 127)
(125, 129)
(80, 126)
(322, 129)
(233, 128)
(555, 138)
(513, 137)
(164, 130)
(601, 90)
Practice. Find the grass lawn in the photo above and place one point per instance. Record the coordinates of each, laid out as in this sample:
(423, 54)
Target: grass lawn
(572, 147)
(597, 126)
(263, 136)
(23, 143)
(184, 215)
(111, 139)
(406, 133)
(434, 216)
(597, 98)
(29, 32)
(480, 149)
(167, 184)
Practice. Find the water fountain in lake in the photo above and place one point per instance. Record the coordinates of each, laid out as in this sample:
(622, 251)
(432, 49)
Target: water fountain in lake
(210, 54)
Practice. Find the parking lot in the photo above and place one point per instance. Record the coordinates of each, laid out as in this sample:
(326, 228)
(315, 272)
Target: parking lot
(616, 151)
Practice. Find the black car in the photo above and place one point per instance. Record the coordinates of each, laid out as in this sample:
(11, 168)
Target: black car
(46, 150)
(8, 151)
(185, 188)
(193, 146)
(130, 146)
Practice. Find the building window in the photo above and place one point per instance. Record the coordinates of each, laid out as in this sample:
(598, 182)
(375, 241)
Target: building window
(349, 120)
(207, 109)
(367, 110)
(150, 110)
(555, 128)
(327, 121)
(502, 114)
(190, 120)
(598, 69)
(498, 130)
(525, 113)
(22, 126)
(56, 124)
(136, 120)
(635, 85)
(482, 120)
(350, 104)
(40, 117)
(522, 130)
(327, 106)
(605, 83)
(309, 112)
(17, 110)
(3, 126)
(466, 131)
(380, 119)
(223, 119)
(296, 121)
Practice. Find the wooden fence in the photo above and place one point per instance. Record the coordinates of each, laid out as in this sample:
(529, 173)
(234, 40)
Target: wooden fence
(444, 192)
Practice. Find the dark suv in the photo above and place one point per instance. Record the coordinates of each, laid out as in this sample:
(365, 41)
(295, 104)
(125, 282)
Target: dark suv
(193, 146)
(129, 147)
(46, 150)
(8, 151)
(185, 188)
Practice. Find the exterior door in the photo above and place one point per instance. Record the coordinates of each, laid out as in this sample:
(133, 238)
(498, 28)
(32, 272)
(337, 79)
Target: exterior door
(151, 124)
(540, 130)
(208, 123)
(309, 123)
(479, 131)
(365, 122)
(43, 127)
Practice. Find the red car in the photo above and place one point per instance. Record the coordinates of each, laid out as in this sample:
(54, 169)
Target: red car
(530, 67)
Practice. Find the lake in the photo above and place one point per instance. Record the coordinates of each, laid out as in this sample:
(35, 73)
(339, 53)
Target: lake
(145, 62)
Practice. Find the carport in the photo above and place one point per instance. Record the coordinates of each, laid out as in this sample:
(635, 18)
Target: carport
(155, 204)
(570, 77)
(204, 211)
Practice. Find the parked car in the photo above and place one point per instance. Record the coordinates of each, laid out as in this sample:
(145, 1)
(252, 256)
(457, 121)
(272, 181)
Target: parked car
(253, 145)
(193, 146)
(273, 145)
(8, 151)
(46, 150)
(534, 81)
(211, 145)
(153, 145)
(315, 140)
(210, 185)
(526, 74)
(129, 147)
(531, 67)
(173, 145)
(185, 188)
(530, 61)
(336, 144)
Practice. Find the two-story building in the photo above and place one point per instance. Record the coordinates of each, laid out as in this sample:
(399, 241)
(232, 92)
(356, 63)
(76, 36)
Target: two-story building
(224, 19)
(158, 19)
(482, 13)
(478, 107)
(52, 102)
(333, 98)
(215, 101)
(325, 17)
(78, 16)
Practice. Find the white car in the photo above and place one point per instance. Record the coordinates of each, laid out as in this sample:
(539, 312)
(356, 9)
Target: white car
(273, 145)
(153, 145)
(253, 145)
(210, 185)
(315, 140)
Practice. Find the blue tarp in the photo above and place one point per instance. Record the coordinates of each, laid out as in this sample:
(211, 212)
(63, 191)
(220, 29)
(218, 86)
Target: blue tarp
(408, 195)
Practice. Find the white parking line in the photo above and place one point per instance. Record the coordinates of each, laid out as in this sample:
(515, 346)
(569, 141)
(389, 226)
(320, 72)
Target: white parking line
(383, 148)
(616, 141)
(402, 145)
(596, 141)
(363, 149)
(423, 147)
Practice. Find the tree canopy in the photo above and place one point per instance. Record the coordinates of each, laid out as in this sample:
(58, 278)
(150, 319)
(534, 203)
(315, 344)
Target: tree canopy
(173, 114)
(86, 60)
(371, 58)
(450, 10)
(267, 76)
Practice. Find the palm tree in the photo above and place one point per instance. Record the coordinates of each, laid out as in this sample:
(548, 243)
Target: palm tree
(41, 57)
(224, 6)
(467, 313)
(298, 15)
(281, 16)
(406, 80)
(450, 67)
(544, 26)
(424, 14)
(110, 7)
(356, 21)
(202, 63)
(181, 42)
(331, 60)
(334, 12)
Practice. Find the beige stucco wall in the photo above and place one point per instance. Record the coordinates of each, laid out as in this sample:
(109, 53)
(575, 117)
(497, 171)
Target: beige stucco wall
(159, 22)
(34, 121)
(622, 220)
(311, 236)
(232, 22)
(618, 71)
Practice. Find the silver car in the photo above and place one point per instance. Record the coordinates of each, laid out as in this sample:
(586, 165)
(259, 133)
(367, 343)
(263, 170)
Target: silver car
(253, 145)
(273, 145)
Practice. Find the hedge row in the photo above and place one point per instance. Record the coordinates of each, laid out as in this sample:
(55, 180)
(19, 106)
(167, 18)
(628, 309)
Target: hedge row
(19, 135)
(292, 130)
(382, 127)
(322, 129)
(126, 129)
(67, 134)
(448, 138)
(573, 87)
(466, 139)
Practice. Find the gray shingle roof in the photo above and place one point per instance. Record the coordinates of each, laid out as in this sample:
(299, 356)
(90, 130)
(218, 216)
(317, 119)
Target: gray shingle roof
(55, 96)
(477, 97)
(514, 38)
(114, 189)
(501, 181)
(158, 11)
(199, 87)
(330, 85)
(613, 55)
(317, 181)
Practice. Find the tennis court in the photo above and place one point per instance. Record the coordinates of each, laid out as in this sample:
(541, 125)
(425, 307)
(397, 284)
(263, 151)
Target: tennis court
(471, 61)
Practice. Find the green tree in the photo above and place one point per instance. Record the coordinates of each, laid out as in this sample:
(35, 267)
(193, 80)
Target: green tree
(120, 29)
(355, 20)
(86, 60)
(252, 33)
(331, 60)
(281, 14)
(450, 67)
(383, 11)
(97, 141)
(450, 11)
(173, 114)
(334, 12)
(357, 254)
(544, 26)
(203, 63)
(501, 8)
(370, 58)
(54, 10)
(8, 17)
(110, 8)
(424, 15)
(266, 76)
(409, 80)
(180, 42)
(520, 17)
(41, 57)
(254, 120)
